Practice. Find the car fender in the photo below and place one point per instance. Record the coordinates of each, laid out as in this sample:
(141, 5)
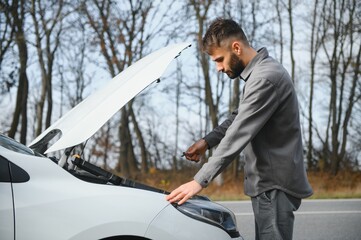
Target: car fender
(53, 200)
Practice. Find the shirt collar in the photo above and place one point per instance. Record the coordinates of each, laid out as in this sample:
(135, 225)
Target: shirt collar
(261, 54)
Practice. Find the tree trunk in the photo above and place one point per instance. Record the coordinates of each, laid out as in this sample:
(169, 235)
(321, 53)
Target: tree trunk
(290, 15)
(18, 15)
(47, 42)
(177, 105)
(280, 22)
(131, 158)
(315, 44)
(201, 17)
(123, 166)
(143, 149)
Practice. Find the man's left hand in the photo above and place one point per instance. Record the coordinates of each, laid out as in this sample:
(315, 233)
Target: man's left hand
(184, 192)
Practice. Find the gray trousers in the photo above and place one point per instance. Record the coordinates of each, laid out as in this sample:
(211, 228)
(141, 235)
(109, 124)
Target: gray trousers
(273, 213)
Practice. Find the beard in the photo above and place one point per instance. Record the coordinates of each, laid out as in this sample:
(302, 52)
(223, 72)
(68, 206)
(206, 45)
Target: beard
(235, 67)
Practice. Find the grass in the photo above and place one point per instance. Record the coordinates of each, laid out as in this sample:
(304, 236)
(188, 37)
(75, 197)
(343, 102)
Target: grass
(344, 185)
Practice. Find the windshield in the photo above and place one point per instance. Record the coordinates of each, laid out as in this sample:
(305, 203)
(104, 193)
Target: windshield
(11, 144)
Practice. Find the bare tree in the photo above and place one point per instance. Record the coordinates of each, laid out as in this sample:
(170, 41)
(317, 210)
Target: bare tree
(339, 46)
(177, 97)
(7, 41)
(6, 38)
(48, 29)
(201, 9)
(317, 36)
(280, 23)
(121, 35)
(15, 14)
(74, 84)
(290, 18)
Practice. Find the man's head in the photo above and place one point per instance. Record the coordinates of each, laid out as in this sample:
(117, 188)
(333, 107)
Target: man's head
(221, 32)
(227, 45)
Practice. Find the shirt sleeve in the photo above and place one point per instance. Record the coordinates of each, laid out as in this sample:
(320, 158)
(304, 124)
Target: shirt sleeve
(215, 136)
(258, 104)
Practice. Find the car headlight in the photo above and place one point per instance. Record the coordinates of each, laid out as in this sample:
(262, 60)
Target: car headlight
(211, 213)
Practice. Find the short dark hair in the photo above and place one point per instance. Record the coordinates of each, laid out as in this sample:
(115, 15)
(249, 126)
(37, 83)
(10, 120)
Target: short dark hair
(220, 30)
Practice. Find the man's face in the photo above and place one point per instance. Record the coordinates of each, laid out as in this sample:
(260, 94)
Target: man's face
(227, 61)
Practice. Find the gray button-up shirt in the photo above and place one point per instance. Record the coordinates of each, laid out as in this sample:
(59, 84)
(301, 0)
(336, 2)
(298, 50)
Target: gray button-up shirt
(267, 128)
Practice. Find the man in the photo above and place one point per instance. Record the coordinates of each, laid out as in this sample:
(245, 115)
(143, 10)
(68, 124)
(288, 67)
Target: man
(266, 127)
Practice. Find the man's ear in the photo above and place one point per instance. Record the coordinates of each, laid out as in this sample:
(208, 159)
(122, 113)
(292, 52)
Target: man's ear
(237, 48)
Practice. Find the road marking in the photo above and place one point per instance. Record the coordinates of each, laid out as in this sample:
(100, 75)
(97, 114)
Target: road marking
(333, 200)
(309, 213)
(326, 212)
(303, 201)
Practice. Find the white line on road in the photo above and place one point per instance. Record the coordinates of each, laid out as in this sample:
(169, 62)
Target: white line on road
(333, 200)
(327, 212)
(309, 213)
(303, 200)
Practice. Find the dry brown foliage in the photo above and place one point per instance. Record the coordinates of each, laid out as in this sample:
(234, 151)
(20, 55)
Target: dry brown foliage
(345, 184)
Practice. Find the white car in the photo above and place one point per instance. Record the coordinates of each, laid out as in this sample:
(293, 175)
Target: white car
(69, 198)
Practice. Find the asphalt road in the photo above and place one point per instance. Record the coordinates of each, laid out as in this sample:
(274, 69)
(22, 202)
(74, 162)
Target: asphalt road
(316, 219)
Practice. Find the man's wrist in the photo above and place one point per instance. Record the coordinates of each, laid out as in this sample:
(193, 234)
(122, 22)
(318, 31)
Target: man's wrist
(206, 143)
(208, 140)
(203, 182)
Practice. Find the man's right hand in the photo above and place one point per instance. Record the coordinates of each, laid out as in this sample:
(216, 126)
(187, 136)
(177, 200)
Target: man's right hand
(197, 150)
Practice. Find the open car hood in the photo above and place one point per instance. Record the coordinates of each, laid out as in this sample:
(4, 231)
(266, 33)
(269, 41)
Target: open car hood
(81, 122)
